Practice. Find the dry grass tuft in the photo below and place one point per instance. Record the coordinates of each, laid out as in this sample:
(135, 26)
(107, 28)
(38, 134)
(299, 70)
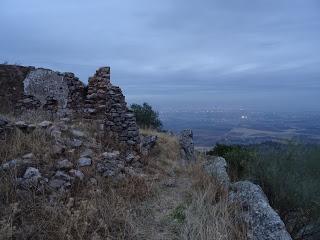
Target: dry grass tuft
(165, 156)
(128, 208)
(19, 143)
(135, 189)
(208, 214)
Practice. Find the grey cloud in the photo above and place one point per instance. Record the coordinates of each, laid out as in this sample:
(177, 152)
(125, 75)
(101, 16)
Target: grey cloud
(185, 51)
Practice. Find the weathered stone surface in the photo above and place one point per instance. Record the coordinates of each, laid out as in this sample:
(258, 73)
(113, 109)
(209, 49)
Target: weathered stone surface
(5, 128)
(11, 85)
(60, 181)
(42, 83)
(53, 91)
(75, 143)
(263, 222)
(64, 164)
(28, 156)
(217, 167)
(58, 184)
(147, 143)
(111, 164)
(20, 165)
(30, 178)
(78, 133)
(95, 104)
(76, 174)
(58, 149)
(3, 121)
(187, 146)
(84, 161)
(62, 94)
(87, 153)
(63, 176)
(21, 125)
(111, 155)
(130, 158)
(32, 173)
(45, 124)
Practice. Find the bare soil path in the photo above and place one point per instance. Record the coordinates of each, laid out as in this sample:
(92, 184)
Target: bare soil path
(162, 216)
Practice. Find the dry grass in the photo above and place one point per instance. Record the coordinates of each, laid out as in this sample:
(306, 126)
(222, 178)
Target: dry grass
(19, 143)
(165, 156)
(208, 214)
(103, 212)
(136, 207)
(201, 209)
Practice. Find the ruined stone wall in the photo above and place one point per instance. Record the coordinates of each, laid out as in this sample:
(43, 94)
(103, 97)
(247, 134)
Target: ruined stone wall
(120, 121)
(28, 88)
(11, 85)
(64, 94)
(106, 103)
(96, 99)
(76, 96)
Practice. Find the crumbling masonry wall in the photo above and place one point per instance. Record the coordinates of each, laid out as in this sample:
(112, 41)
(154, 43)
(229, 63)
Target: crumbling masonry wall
(96, 99)
(120, 120)
(52, 91)
(106, 103)
(62, 93)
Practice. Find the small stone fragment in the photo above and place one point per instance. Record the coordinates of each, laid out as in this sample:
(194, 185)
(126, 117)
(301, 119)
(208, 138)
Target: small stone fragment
(64, 164)
(87, 153)
(78, 133)
(84, 161)
(28, 156)
(45, 124)
(76, 174)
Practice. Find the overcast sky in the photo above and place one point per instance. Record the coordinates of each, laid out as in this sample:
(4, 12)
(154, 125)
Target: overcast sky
(177, 54)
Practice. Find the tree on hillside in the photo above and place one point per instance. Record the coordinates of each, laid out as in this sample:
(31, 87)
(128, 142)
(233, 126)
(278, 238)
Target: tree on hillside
(146, 117)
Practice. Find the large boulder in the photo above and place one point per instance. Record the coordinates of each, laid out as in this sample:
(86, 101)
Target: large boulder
(187, 146)
(262, 221)
(217, 168)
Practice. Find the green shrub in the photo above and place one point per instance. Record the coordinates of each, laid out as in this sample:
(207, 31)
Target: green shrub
(288, 173)
(237, 156)
(178, 214)
(146, 117)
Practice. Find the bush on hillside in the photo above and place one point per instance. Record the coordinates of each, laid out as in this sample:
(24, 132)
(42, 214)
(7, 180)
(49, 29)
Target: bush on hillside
(146, 117)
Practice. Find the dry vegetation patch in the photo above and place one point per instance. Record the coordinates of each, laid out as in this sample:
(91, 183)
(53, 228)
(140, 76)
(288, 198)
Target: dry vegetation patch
(165, 201)
(208, 214)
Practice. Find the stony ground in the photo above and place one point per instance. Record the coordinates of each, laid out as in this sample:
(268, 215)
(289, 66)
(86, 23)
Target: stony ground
(77, 188)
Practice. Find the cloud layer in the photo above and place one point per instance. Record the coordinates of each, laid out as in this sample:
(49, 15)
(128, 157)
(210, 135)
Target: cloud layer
(177, 54)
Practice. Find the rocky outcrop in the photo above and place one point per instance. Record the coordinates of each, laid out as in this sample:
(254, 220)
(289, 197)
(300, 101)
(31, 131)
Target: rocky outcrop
(147, 143)
(217, 167)
(262, 221)
(187, 146)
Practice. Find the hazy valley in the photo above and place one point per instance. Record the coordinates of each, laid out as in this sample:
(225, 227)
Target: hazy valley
(245, 127)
